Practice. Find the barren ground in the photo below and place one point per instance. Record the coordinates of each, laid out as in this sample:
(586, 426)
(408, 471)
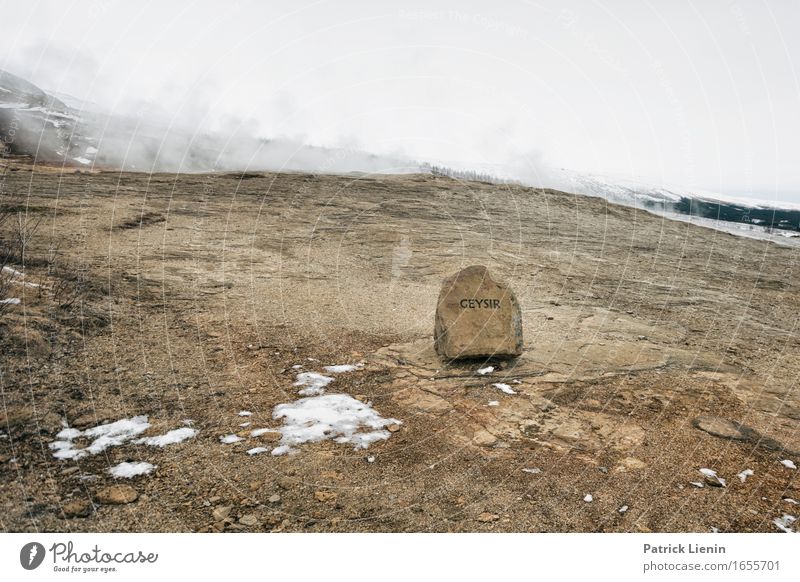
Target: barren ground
(192, 297)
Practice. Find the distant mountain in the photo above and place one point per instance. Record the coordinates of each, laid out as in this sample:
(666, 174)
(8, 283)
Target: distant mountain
(33, 122)
(39, 125)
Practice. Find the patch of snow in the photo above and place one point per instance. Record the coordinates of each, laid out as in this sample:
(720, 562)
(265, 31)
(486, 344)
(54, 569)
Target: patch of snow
(484, 371)
(91, 150)
(534, 471)
(494, 403)
(788, 464)
(744, 474)
(170, 438)
(714, 529)
(10, 301)
(338, 417)
(371, 459)
(504, 387)
(696, 484)
(245, 413)
(343, 368)
(588, 498)
(82, 160)
(297, 366)
(245, 424)
(314, 383)
(784, 523)
(790, 500)
(259, 431)
(229, 438)
(105, 436)
(623, 509)
(129, 470)
(257, 451)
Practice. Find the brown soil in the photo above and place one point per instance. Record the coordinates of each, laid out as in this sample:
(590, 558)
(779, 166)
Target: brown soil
(192, 296)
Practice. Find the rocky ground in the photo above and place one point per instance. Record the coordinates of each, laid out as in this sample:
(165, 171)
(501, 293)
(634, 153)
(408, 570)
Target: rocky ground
(653, 349)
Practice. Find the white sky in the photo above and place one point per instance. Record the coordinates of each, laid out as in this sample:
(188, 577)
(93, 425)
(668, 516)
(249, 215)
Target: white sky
(696, 94)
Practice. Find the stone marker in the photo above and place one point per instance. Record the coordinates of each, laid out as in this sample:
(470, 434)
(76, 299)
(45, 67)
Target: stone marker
(476, 317)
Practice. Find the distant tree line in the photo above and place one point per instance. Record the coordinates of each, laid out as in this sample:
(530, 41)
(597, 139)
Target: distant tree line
(469, 175)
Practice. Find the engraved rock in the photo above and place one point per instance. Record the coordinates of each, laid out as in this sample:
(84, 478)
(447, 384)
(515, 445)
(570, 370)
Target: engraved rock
(477, 317)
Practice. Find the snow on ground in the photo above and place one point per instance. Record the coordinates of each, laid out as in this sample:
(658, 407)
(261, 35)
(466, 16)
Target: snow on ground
(82, 160)
(504, 387)
(105, 436)
(229, 439)
(788, 464)
(534, 471)
(696, 484)
(484, 371)
(245, 413)
(11, 301)
(588, 498)
(343, 368)
(623, 509)
(170, 438)
(744, 474)
(494, 403)
(313, 383)
(784, 523)
(257, 450)
(259, 431)
(128, 470)
(338, 417)
(17, 275)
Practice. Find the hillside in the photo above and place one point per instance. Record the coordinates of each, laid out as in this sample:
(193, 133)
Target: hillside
(207, 302)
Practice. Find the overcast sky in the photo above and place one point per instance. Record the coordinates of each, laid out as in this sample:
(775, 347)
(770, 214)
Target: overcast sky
(702, 94)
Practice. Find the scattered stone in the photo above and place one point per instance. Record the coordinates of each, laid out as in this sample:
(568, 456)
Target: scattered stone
(69, 471)
(393, 427)
(588, 498)
(477, 317)
(267, 435)
(534, 471)
(483, 438)
(697, 484)
(722, 428)
(222, 512)
(711, 478)
(117, 495)
(285, 482)
(371, 459)
(249, 520)
(623, 509)
(275, 498)
(487, 517)
(215, 499)
(324, 495)
(76, 508)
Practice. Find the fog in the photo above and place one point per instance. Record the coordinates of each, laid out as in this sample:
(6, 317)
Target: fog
(700, 95)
